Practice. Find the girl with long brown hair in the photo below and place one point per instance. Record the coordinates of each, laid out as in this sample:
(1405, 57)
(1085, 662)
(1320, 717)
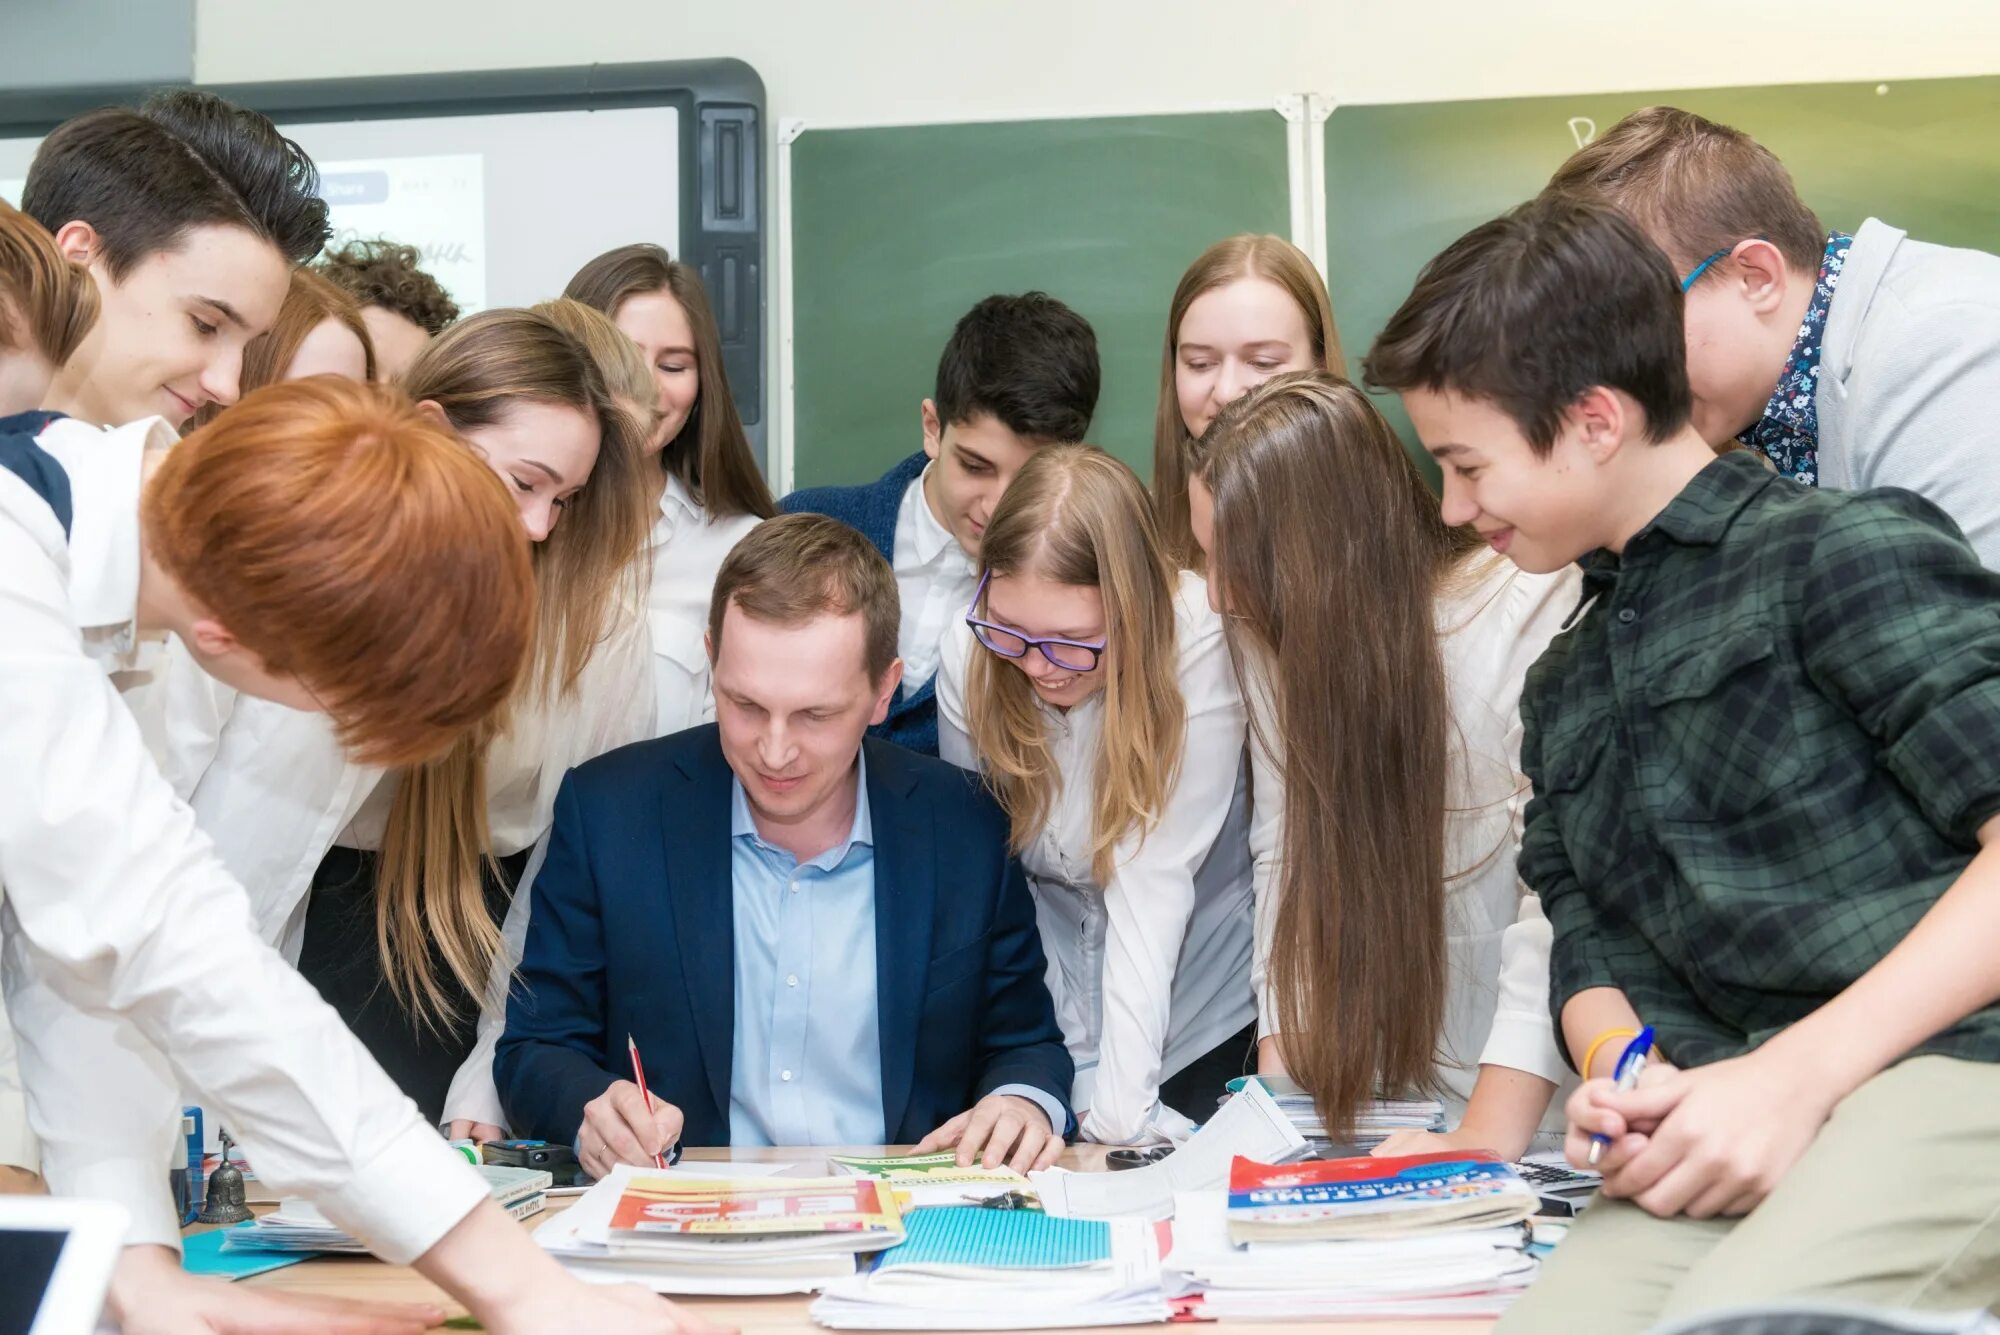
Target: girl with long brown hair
(401, 879)
(706, 491)
(1249, 307)
(1382, 655)
(1092, 687)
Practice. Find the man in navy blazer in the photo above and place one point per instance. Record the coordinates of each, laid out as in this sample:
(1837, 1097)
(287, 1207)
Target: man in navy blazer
(812, 936)
(1018, 372)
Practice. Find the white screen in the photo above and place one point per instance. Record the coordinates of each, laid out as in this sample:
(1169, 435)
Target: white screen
(504, 207)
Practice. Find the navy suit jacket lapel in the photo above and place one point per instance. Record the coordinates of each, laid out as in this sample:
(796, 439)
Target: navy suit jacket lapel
(700, 889)
(905, 895)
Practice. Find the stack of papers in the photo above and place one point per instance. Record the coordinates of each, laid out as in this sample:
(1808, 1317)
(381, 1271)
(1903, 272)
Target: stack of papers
(708, 1229)
(927, 1180)
(1467, 1273)
(298, 1226)
(1250, 1126)
(1372, 1125)
(967, 1268)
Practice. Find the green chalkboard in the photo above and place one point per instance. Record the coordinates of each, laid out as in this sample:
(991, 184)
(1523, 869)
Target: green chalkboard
(896, 232)
(1403, 182)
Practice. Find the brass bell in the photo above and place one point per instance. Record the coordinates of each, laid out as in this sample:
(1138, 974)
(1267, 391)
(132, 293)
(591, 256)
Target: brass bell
(223, 1203)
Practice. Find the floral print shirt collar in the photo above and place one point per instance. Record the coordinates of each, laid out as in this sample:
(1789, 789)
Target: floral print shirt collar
(1788, 432)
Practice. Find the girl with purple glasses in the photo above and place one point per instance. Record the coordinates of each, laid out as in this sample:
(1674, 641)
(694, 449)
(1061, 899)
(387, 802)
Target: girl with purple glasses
(1092, 685)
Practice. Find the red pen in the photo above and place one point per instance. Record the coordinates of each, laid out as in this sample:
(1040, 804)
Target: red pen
(639, 1078)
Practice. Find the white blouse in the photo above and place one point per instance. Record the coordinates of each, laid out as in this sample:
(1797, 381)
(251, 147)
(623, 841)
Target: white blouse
(272, 787)
(1491, 629)
(687, 551)
(1152, 969)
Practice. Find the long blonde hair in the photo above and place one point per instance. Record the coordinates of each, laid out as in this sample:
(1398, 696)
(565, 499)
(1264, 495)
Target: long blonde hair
(1075, 515)
(1248, 255)
(1329, 551)
(430, 906)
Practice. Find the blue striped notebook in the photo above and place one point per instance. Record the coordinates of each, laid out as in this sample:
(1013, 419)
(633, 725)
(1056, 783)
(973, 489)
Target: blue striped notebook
(975, 1238)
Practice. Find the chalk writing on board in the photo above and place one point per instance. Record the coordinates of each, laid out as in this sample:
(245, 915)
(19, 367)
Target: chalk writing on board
(1582, 129)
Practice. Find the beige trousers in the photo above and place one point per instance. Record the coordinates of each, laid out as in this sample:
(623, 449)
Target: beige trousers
(1896, 1203)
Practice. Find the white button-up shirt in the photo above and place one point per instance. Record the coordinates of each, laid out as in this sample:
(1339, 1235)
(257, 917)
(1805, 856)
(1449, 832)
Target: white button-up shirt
(122, 930)
(687, 550)
(1493, 622)
(935, 580)
(1152, 969)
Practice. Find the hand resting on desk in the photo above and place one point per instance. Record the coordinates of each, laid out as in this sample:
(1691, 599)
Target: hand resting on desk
(1000, 1128)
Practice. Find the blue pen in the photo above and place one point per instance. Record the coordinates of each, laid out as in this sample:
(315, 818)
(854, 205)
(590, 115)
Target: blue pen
(1625, 1076)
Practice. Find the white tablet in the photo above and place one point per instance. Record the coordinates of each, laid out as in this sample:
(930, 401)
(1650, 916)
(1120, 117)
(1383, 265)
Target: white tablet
(57, 1255)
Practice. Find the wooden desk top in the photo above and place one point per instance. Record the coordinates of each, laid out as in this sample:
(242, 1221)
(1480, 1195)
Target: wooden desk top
(363, 1277)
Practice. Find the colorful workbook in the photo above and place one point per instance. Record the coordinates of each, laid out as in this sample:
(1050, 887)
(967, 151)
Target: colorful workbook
(1374, 1198)
(929, 1180)
(661, 1213)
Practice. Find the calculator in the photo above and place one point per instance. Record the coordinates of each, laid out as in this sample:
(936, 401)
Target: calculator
(1563, 1190)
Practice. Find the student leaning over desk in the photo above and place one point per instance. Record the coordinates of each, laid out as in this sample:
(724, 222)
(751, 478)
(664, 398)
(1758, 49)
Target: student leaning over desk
(156, 207)
(1870, 360)
(1765, 801)
(378, 884)
(1396, 947)
(118, 914)
(1099, 701)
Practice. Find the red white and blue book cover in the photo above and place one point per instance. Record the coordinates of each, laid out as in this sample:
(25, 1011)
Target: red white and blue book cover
(1374, 1198)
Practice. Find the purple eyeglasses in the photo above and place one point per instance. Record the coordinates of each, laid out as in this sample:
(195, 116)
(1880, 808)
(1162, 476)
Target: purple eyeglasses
(1069, 655)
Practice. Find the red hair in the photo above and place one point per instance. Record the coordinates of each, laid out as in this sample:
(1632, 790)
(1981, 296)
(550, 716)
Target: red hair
(349, 542)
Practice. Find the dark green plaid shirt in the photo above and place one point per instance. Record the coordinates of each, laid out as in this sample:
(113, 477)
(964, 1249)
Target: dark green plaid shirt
(1761, 755)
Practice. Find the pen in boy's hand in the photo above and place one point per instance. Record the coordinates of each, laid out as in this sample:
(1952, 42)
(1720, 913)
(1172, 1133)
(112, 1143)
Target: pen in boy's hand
(1625, 1076)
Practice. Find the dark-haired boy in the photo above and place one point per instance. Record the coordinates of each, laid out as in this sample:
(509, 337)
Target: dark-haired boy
(1884, 351)
(403, 307)
(1018, 373)
(1765, 801)
(190, 213)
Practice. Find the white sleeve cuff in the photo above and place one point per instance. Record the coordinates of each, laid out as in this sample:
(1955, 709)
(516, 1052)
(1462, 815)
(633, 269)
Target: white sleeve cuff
(473, 1096)
(415, 1191)
(1525, 1043)
(1058, 1116)
(140, 1186)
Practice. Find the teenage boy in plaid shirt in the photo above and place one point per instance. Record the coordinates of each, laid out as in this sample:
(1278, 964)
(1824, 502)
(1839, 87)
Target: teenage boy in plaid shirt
(1766, 763)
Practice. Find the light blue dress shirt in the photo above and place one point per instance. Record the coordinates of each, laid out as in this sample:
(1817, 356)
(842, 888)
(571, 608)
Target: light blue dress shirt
(806, 1060)
(806, 1067)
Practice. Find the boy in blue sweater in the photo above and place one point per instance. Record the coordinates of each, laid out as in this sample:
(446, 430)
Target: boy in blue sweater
(1018, 373)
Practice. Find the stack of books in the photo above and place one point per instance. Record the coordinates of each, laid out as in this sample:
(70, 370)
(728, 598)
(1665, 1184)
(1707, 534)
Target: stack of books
(677, 1232)
(1433, 1235)
(298, 1226)
(970, 1268)
(1373, 1125)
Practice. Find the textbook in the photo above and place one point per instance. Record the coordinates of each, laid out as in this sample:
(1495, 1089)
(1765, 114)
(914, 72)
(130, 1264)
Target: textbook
(930, 1180)
(662, 1214)
(1374, 1198)
(579, 1237)
(968, 1268)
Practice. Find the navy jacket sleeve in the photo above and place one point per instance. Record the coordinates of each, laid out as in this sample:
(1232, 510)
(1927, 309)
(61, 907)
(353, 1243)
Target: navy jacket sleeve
(546, 1065)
